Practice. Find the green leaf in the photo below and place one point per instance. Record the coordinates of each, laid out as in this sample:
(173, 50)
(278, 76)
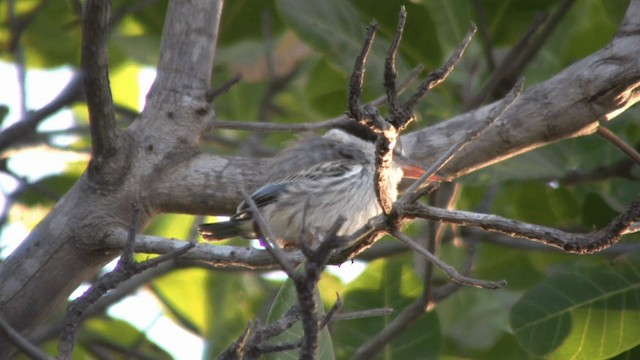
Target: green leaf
(56, 20)
(387, 283)
(244, 20)
(596, 212)
(334, 28)
(582, 313)
(420, 43)
(513, 265)
(185, 297)
(286, 298)
(327, 89)
(122, 335)
(233, 300)
(475, 319)
(452, 20)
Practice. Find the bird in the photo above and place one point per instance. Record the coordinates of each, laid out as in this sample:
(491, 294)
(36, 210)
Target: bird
(310, 185)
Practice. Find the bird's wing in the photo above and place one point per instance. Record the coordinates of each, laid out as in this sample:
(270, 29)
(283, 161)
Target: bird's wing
(326, 170)
(262, 197)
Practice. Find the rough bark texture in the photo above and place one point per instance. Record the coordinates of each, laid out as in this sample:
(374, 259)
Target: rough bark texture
(64, 249)
(164, 170)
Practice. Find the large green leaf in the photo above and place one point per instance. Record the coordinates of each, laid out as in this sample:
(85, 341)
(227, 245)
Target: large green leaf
(388, 283)
(335, 28)
(53, 37)
(185, 297)
(245, 19)
(475, 319)
(452, 20)
(124, 338)
(582, 313)
(420, 43)
(234, 299)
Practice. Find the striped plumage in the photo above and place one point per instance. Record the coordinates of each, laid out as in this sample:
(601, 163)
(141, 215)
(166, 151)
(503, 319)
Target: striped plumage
(309, 185)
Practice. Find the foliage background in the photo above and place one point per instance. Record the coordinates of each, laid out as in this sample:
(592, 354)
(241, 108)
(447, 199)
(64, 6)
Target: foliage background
(556, 305)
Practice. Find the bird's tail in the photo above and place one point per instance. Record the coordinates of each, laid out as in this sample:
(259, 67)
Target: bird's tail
(226, 229)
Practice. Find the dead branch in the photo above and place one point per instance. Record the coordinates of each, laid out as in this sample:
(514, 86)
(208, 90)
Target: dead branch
(124, 270)
(569, 242)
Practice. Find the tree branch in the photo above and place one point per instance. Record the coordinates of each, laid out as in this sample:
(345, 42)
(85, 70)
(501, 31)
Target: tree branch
(21, 343)
(124, 270)
(94, 60)
(26, 126)
(569, 242)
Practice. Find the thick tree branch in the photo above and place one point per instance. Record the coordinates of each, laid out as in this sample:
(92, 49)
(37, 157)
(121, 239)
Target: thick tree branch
(565, 106)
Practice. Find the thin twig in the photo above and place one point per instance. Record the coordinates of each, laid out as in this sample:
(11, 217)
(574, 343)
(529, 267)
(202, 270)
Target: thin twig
(607, 134)
(449, 270)
(439, 75)
(270, 243)
(212, 94)
(326, 124)
(516, 61)
(127, 287)
(483, 29)
(29, 123)
(495, 114)
(357, 76)
(21, 343)
(400, 323)
(390, 72)
(331, 314)
(353, 315)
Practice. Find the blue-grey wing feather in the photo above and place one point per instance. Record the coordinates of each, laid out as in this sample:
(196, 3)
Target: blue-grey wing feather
(264, 196)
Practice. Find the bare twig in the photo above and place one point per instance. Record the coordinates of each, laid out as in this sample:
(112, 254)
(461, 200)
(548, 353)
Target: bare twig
(495, 114)
(252, 343)
(331, 315)
(269, 242)
(407, 317)
(306, 288)
(449, 270)
(125, 269)
(516, 61)
(483, 29)
(607, 134)
(127, 287)
(212, 94)
(390, 72)
(569, 242)
(439, 75)
(357, 76)
(330, 123)
(362, 314)
(28, 124)
(21, 343)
